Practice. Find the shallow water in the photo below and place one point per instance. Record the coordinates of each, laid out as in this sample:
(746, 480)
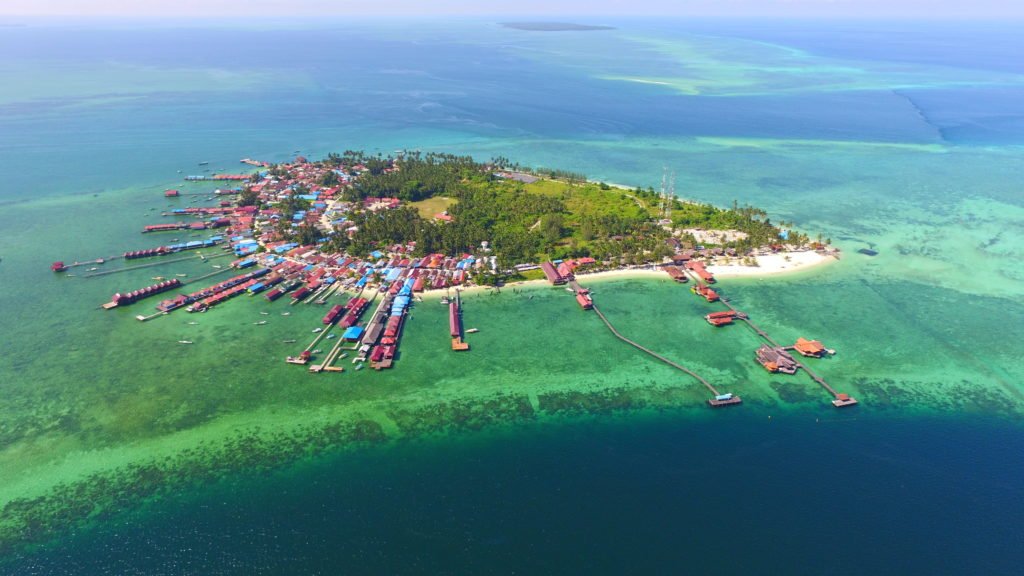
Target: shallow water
(913, 152)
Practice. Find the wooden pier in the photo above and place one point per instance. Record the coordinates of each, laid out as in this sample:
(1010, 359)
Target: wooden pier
(151, 264)
(839, 399)
(455, 323)
(718, 399)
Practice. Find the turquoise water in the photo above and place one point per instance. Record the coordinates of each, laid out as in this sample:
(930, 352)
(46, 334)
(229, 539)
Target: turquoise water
(910, 144)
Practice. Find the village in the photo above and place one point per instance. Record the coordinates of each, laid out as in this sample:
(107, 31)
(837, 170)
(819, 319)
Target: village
(285, 224)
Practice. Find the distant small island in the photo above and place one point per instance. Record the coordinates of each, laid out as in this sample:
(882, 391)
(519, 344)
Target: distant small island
(554, 26)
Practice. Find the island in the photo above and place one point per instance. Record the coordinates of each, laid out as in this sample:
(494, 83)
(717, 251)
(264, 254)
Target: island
(383, 231)
(554, 26)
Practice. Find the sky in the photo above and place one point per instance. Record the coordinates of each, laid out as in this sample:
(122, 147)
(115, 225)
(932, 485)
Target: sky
(950, 9)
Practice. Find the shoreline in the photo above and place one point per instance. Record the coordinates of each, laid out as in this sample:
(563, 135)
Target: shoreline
(769, 265)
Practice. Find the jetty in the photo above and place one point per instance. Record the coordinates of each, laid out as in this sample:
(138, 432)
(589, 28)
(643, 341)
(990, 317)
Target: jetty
(151, 264)
(455, 323)
(773, 352)
(718, 398)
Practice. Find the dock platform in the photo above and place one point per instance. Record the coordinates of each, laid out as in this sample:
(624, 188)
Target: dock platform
(839, 399)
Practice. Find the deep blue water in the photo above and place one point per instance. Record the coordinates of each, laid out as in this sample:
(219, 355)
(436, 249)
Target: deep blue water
(734, 494)
(739, 494)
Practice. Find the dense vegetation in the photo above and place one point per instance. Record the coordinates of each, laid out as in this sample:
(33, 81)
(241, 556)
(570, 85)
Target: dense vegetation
(560, 216)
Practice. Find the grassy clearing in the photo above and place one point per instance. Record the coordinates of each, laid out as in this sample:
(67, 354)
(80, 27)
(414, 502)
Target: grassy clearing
(431, 206)
(591, 200)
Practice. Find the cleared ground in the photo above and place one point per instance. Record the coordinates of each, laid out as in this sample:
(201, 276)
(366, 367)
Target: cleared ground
(432, 206)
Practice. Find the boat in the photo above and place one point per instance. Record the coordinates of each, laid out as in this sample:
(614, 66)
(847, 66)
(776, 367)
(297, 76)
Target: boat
(359, 367)
(184, 341)
(265, 313)
(286, 313)
(93, 269)
(317, 351)
(181, 275)
(288, 341)
(204, 163)
(472, 331)
(158, 277)
(316, 330)
(260, 323)
(193, 323)
(332, 335)
(343, 355)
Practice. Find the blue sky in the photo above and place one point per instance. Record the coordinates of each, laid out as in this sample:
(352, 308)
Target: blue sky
(980, 9)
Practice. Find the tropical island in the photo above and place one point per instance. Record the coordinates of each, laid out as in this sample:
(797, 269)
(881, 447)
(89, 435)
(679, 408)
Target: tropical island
(386, 229)
(506, 217)
(554, 26)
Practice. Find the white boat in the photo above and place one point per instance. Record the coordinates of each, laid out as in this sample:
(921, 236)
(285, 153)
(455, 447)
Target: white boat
(260, 323)
(472, 331)
(317, 330)
(181, 275)
(216, 265)
(265, 313)
(288, 341)
(184, 341)
(93, 269)
(360, 367)
(343, 355)
(317, 351)
(329, 336)
(286, 313)
(193, 323)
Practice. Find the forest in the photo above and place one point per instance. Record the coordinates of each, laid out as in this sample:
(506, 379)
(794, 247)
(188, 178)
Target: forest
(561, 215)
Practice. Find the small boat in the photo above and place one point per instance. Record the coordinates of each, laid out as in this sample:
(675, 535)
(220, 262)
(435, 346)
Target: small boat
(158, 277)
(343, 355)
(317, 351)
(265, 313)
(184, 341)
(204, 163)
(181, 275)
(317, 330)
(288, 341)
(472, 331)
(332, 335)
(260, 323)
(193, 323)
(93, 269)
(359, 367)
(286, 313)
(217, 266)
(444, 300)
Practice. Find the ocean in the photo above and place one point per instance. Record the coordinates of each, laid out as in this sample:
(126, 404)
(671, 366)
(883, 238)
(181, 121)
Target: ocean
(550, 447)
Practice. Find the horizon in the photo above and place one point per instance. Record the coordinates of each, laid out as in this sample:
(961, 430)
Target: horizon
(199, 10)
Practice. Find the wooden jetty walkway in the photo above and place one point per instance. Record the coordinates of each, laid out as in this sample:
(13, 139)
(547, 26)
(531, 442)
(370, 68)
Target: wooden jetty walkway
(151, 264)
(839, 399)
(719, 399)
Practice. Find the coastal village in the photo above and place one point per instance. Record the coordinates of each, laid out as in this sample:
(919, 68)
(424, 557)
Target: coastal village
(290, 231)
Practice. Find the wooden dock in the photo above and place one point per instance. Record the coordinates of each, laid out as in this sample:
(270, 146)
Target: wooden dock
(151, 264)
(839, 399)
(718, 398)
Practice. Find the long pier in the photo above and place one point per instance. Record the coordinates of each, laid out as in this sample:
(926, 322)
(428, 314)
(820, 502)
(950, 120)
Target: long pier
(719, 399)
(151, 264)
(839, 400)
